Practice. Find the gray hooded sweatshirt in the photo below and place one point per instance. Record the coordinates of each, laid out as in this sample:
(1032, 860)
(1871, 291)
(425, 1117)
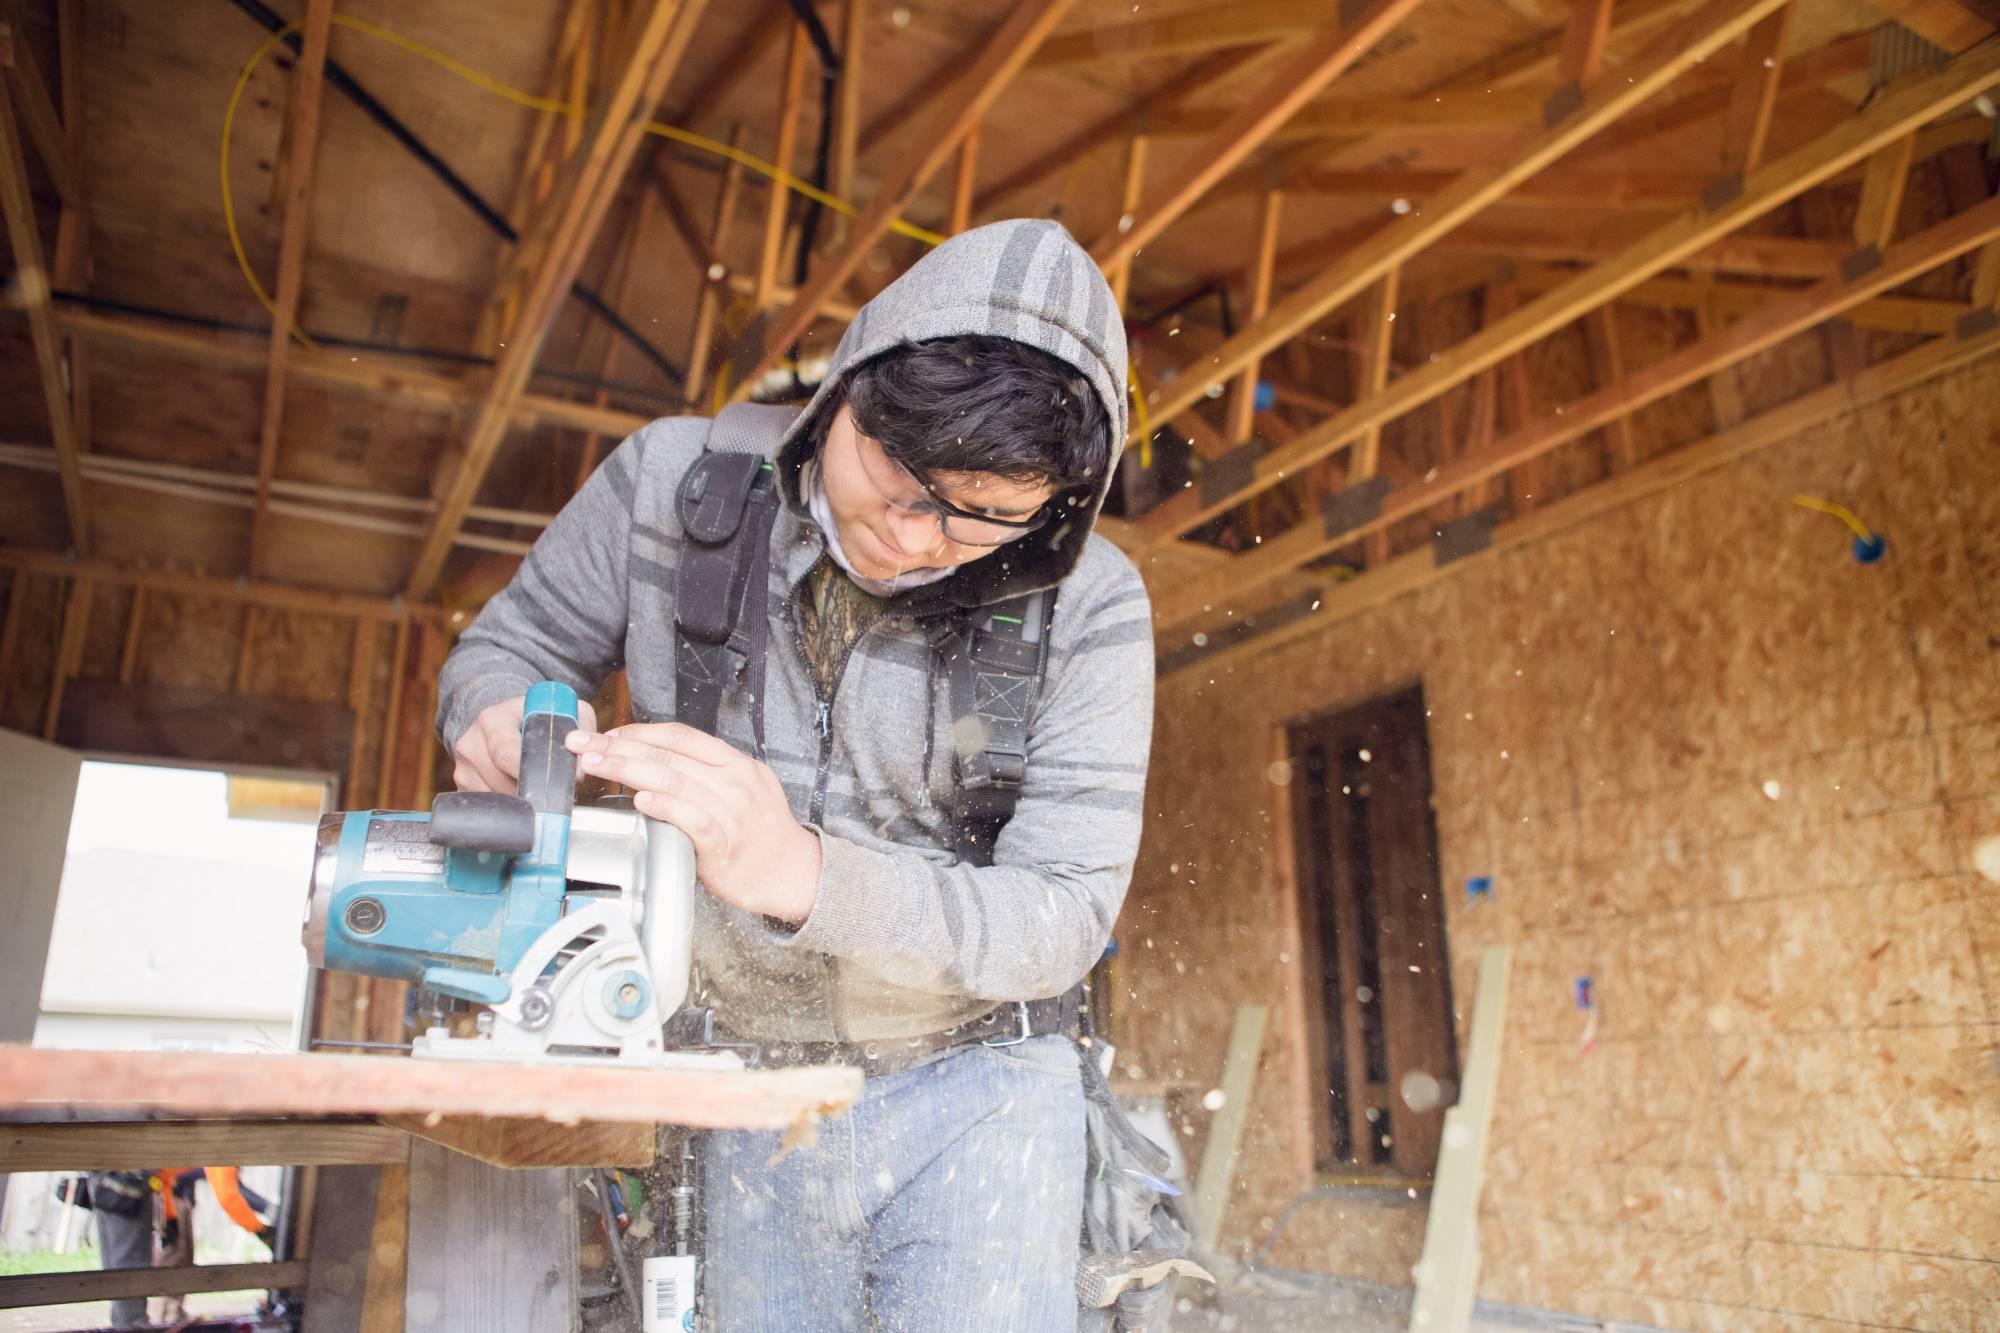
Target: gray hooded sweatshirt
(903, 939)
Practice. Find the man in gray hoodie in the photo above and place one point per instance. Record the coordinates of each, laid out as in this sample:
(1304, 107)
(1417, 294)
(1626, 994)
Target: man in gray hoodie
(954, 457)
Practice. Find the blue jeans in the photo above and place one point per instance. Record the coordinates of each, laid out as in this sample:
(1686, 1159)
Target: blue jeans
(949, 1197)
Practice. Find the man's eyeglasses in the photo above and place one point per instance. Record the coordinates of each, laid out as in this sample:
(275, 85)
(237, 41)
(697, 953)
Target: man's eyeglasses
(965, 527)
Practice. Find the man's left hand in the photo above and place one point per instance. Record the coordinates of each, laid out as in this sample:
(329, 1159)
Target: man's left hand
(749, 851)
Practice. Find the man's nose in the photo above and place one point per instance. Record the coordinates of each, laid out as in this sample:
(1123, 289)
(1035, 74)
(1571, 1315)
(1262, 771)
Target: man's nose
(915, 532)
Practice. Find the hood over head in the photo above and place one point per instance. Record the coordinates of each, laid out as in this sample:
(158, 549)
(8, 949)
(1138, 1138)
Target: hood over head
(1027, 280)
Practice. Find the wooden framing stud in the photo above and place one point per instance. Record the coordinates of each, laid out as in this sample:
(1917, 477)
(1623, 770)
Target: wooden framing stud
(791, 97)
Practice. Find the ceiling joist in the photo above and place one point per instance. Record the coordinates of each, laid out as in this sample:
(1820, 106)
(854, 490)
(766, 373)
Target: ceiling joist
(1893, 115)
(654, 51)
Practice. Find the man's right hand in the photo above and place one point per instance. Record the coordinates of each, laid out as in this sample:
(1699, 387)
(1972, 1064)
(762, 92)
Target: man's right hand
(488, 756)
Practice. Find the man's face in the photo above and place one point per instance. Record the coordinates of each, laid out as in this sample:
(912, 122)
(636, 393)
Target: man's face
(880, 508)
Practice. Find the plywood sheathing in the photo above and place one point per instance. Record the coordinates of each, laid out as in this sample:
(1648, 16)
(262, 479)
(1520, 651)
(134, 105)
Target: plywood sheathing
(1791, 1110)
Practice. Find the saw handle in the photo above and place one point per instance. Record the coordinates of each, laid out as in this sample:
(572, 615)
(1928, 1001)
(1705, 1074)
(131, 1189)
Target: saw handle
(548, 769)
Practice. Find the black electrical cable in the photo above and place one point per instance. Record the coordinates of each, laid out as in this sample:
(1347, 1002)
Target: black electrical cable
(452, 181)
(446, 354)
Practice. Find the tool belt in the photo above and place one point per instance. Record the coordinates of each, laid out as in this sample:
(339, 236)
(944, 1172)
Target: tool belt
(1007, 1025)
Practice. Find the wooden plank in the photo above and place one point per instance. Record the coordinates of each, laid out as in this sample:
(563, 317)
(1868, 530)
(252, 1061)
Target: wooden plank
(959, 108)
(1755, 97)
(963, 178)
(1607, 364)
(135, 620)
(392, 726)
(45, 128)
(378, 378)
(709, 304)
(791, 96)
(1889, 118)
(124, 1147)
(10, 628)
(652, 56)
(1419, 569)
(1225, 1132)
(385, 1294)
(489, 1250)
(847, 115)
(1809, 71)
(1249, 126)
(342, 1218)
(106, 1284)
(1376, 325)
(203, 1083)
(515, 1142)
(1725, 391)
(1597, 189)
(1363, 263)
(1729, 300)
(360, 698)
(1448, 1275)
(302, 137)
(1584, 36)
(263, 593)
(1241, 23)
(1243, 401)
(69, 651)
(1347, 117)
(1131, 192)
(1281, 873)
(1882, 189)
(32, 290)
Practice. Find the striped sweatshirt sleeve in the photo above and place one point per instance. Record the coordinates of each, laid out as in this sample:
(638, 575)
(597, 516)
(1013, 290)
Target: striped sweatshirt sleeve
(1034, 922)
(563, 615)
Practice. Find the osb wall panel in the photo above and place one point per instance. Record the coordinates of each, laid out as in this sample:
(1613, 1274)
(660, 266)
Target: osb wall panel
(1733, 777)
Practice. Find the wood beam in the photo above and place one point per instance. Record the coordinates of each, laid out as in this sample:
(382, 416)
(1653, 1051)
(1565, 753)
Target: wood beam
(1250, 125)
(1419, 569)
(210, 1083)
(1243, 399)
(1364, 263)
(1761, 69)
(38, 112)
(302, 134)
(1882, 187)
(1241, 23)
(1840, 58)
(1892, 314)
(30, 1290)
(73, 225)
(32, 280)
(1893, 115)
(1346, 117)
(1602, 189)
(791, 97)
(125, 1146)
(959, 109)
(1778, 321)
(370, 377)
(1584, 37)
(1118, 126)
(1749, 256)
(653, 53)
(847, 116)
(1607, 367)
(708, 305)
(1131, 192)
(966, 173)
(69, 650)
(283, 596)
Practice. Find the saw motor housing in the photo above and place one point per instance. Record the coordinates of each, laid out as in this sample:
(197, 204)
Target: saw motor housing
(574, 924)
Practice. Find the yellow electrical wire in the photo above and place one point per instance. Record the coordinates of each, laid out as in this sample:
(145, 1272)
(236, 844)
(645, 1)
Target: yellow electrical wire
(520, 98)
(1144, 414)
(1839, 511)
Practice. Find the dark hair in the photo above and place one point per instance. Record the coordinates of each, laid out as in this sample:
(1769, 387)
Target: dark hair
(977, 403)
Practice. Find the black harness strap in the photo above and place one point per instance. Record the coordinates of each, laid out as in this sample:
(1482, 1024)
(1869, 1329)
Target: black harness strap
(726, 505)
(995, 662)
